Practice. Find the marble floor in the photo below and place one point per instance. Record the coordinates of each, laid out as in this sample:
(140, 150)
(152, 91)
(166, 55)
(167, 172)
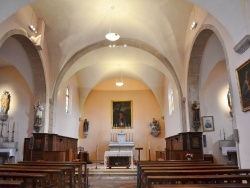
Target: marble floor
(111, 178)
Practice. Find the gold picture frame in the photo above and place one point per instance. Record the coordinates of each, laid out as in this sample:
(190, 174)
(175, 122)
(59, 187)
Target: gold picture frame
(207, 123)
(121, 114)
(243, 78)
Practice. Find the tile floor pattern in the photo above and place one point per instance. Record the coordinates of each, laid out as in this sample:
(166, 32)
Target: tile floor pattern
(111, 178)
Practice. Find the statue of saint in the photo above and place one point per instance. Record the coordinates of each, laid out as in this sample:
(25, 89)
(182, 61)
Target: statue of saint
(38, 114)
(86, 125)
(5, 102)
(155, 127)
(196, 112)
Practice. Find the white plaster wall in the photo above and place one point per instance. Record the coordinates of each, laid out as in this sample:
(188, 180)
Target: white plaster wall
(173, 124)
(67, 124)
(10, 47)
(21, 110)
(214, 85)
(17, 78)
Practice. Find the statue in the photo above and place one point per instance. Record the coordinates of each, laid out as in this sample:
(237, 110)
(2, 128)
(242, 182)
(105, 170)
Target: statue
(86, 127)
(38, 114)
(5, 105)
(196, 116)
(155, 128)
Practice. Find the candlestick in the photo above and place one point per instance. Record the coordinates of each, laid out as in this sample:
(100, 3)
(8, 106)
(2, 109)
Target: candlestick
(13, 131)
(13, 127)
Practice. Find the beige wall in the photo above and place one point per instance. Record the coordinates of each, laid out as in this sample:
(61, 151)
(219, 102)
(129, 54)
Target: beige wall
(97, 109)
(21, 110)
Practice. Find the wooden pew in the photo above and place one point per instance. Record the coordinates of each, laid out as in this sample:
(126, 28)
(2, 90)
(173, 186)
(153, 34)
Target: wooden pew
(68, 170)
(79, 166)
(201, 186)
(175, 161)
(197, 179)
(179, 166)
(12, 183)
(34, 177)
(56, 176)
(192, 172)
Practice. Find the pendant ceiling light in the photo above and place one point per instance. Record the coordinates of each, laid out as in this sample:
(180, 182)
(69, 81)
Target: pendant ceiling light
(31, 26)
(119, 80)
(112, 36)
(194, 23)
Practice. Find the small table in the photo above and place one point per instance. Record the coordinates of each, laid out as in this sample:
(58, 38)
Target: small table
(139, 149)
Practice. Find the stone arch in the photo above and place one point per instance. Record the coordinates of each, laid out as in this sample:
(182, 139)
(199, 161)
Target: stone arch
(193, 76)
(128, 42)
(35, 62)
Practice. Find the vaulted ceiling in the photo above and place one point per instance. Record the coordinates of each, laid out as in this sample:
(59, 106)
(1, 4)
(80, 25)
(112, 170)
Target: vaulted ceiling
(74, 25)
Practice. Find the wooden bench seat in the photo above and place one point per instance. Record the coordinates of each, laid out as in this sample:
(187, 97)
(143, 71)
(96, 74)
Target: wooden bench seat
(192, 172)
(69, 170)
(140, 171)
(197, 179)
(35, 178)
(12, 183)
(80, 169)
(55, 176)
(201, 186)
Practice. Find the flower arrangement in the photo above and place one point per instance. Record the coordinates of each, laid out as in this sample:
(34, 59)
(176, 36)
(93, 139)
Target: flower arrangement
(189, 155)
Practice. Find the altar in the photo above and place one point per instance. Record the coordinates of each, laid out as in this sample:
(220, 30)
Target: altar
(121, 151)
(109, 159)
(8, 152)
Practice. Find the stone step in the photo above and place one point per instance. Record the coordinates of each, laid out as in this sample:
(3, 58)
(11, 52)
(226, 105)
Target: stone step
(108, 172)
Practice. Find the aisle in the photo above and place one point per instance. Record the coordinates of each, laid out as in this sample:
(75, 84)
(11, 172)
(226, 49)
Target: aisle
(111, 178)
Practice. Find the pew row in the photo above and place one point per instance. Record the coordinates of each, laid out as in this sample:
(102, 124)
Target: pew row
(198, 179)
(193, 172)
(236, 185)
(80, 169)
(12, 183)
(56, 176)
(179, 166)
(36, 179)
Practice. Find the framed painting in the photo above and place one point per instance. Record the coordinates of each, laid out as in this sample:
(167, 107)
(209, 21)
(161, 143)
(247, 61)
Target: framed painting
(195, 142)
(122, 114)
(243, 78)
(208, 123)
(38, 144)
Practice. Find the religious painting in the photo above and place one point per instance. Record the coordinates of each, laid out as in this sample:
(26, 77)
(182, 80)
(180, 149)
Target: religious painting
(208, 123)
(121, 114)
(195, 142)
(38, 144)
(243, 78)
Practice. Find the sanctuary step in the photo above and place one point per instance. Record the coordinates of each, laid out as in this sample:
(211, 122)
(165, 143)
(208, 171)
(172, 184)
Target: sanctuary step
(101, 171)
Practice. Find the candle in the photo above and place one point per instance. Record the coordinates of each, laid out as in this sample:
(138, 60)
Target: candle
(148, 145)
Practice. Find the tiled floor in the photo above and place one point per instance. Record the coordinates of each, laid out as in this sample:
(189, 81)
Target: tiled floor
(111, 178)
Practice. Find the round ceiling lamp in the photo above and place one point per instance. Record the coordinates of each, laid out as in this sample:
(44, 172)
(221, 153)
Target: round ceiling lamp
(112, 36)
(119, 83)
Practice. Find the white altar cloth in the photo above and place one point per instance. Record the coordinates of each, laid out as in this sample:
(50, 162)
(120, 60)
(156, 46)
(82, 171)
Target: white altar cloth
(118, 154)
(10, 152)
(228, 149)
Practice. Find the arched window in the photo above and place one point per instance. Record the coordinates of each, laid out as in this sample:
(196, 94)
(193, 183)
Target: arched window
(67, 101)
(171, 100)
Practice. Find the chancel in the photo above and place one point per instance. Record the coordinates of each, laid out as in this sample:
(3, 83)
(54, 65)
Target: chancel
(121, 149)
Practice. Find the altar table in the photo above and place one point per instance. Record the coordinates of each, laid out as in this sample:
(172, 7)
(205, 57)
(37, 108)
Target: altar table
(118, 154)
